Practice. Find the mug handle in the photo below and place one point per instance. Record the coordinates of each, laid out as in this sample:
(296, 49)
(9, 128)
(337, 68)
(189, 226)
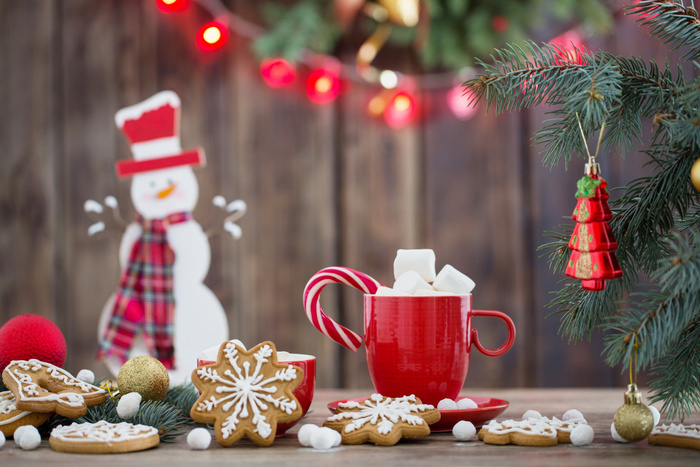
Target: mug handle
(312, 293)
(509, 341)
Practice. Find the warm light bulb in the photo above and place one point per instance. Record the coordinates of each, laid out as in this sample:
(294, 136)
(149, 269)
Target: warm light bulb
(170, 6)
(388, 79)
(400, 111)
(323, 85)
(277, 72)
(459, 102)
(212, 36)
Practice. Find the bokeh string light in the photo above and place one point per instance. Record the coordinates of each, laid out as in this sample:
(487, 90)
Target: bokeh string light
(396, 99)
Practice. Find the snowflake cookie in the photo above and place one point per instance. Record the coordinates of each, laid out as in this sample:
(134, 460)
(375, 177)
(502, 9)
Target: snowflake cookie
(103, 437)
(246, 393)
(12, 418)
(676, 435)
(42, 387)
(383, 420)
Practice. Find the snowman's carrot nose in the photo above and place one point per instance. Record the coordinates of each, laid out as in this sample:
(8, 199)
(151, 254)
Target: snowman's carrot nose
(166, 192)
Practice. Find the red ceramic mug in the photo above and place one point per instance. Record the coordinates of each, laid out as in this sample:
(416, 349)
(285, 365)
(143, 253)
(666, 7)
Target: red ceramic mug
(415, 344)
(421, 345)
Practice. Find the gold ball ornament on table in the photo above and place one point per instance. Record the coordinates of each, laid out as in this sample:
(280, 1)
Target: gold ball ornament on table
(145, 375)
(695, 174)
(633, 420)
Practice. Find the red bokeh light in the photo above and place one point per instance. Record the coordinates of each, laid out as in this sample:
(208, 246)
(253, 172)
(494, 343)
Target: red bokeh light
(277, 72)
(571, 48)
(323, 86)
(171, 6)
(458, 100)
(400, 111)
(212, 36)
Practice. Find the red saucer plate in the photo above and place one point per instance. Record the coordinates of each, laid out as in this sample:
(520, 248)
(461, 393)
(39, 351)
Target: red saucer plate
(488, 409)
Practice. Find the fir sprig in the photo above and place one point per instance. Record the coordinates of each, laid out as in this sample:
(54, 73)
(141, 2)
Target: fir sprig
(654, 309)
(672, 22)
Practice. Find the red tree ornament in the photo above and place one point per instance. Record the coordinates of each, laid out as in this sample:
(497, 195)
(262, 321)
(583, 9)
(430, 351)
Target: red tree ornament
(592, 243)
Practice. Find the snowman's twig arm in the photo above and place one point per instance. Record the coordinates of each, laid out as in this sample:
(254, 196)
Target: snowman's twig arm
(231, 213)
(104, 222)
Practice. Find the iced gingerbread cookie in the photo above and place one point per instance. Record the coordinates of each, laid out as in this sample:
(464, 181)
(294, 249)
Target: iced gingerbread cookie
(383, 420)
(679, 436)
(12, 418)
(246, 393)
(564, 427)
(103, 437)
(528, 432)
(42, 387)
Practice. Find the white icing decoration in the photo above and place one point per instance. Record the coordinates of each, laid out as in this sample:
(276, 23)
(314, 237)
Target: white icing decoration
(31, 391)
(382, 413)
(247, 393)
(102, 431)
(7, 406)
(531, 426)
(690, 431)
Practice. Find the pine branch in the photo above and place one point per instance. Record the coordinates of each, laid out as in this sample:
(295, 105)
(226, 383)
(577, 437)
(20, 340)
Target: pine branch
(677, 375)
(671, 22)
(183, 397)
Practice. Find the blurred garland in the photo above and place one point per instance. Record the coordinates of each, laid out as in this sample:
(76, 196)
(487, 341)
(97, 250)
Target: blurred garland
(449, 34)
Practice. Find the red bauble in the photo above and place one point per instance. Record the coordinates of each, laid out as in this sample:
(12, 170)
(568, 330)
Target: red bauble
(31, 336)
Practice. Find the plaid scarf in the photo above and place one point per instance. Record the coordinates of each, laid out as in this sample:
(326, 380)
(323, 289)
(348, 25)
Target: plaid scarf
(145, 297)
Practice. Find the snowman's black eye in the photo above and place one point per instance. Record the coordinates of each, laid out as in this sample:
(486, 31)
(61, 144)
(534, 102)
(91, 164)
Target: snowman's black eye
(170, 181)
(153, 184)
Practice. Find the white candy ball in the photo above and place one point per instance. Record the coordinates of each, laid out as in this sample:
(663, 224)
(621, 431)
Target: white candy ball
(582, 434)
(323, 439)
(86, 375)
(19, 431)
(466, 403)
(616, 436)
(572, 414)
(338, 438)
(464, 430)
(447, 404)
(305, 433)
(29, 438)
(532, 414)
(2, 439)
(199, 439)
(655, 413)
(128, 405)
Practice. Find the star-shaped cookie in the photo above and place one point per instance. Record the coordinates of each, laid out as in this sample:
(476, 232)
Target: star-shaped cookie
(246, 393)
(383, 420)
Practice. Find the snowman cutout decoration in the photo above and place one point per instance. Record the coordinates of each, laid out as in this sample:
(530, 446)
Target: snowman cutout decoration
(161, 307)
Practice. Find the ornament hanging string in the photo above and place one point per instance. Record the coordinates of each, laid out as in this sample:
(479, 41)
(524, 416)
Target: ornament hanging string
(108, 386)
(592, 167)
(633, 360)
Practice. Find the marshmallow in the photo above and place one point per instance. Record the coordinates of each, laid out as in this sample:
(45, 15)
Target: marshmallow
(86, 375)
(532, 414)
(466, 403)
(451, 280)
(582, 435)
(199, 439)
(387, 292)
(655, 413)
(572, 414)
(420, 261)
(30, 438)
(410, 282)
(2, 439)
(447, 404)
(305, 433)
(324, 439)
(433, 293)
(128, 405)
(464, 430)
(615, 435)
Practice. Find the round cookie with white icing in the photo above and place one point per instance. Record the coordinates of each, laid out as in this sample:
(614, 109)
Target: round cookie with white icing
(528, 432)
(676, 435)
(42, 387)
(12, 418)
(103, 438)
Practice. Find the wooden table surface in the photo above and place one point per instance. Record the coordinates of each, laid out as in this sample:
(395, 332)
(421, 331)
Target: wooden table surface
(441, 449)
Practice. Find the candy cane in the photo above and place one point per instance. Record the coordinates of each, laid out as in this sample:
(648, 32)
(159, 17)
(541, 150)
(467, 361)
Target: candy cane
(312, 293)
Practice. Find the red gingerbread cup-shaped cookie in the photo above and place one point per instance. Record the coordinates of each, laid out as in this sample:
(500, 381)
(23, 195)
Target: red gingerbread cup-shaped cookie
(417, 345)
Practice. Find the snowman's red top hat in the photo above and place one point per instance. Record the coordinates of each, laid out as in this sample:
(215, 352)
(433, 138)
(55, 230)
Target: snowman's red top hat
(153, 130)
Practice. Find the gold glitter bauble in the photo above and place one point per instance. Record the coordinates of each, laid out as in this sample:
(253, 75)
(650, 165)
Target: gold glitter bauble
(633, 420)
(145, 375)
(695, 174)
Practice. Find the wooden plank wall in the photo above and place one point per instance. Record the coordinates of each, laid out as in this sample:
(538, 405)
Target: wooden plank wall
(325, 186)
